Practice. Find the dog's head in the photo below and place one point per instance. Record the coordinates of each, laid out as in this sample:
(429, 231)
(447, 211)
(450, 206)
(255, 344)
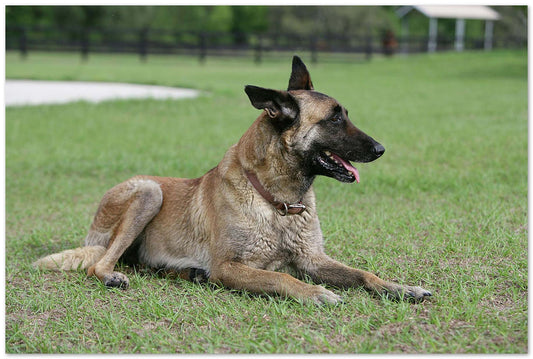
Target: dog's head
(315, 127)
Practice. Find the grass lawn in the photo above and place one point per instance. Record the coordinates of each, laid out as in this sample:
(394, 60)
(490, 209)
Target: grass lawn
(445, 208)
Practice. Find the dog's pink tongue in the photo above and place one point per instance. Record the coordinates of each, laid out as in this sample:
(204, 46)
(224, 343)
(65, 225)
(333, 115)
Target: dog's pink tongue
(348, 166)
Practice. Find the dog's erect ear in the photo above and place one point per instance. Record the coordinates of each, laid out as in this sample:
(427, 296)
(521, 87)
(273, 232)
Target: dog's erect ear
(300, 78)
(279, 105)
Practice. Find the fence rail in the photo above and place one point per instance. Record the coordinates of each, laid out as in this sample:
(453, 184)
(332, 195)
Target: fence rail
(203, 44)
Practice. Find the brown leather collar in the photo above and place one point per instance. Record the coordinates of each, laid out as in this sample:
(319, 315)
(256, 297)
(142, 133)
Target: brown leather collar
(283, 208)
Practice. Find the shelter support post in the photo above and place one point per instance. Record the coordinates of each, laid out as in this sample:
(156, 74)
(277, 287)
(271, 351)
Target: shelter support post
(404, 39)
(432, 42)
(489, 25)
(459, 34)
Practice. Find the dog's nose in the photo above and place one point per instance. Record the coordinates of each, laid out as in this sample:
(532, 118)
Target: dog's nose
(378, 150)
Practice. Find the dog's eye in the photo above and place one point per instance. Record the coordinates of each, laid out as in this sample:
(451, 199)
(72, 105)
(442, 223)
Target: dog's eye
(336, 119)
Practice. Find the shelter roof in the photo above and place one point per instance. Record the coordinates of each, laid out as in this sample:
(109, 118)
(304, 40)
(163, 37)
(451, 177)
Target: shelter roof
(473, 12)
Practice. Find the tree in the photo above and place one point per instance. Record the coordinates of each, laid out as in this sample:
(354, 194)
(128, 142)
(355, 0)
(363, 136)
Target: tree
(248, 19)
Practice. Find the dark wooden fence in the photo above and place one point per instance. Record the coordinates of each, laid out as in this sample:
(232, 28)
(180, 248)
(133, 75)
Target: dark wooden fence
(204, 44)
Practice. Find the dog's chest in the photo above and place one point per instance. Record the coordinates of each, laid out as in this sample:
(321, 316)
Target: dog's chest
(277, 244)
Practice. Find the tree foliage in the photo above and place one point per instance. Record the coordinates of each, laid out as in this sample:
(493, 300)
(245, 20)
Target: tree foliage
(242, 20)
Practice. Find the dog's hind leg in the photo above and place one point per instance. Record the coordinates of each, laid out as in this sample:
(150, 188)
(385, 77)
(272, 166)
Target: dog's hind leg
(124, 212)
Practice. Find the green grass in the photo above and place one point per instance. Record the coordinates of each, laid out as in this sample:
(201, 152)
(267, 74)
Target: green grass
(445, 208)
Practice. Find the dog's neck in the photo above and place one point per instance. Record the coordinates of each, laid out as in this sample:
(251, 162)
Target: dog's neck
(262, 152)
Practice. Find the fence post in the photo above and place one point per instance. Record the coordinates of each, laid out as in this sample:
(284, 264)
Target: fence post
(368, 45)
(314, 56)
(23, 43)
(85, 44)
(258, 49)
(203, 47)
(143, 44)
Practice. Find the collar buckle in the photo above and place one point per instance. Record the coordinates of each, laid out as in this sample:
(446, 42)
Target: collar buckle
(284, 208)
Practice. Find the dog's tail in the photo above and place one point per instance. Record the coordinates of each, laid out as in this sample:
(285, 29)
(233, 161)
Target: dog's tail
(78, 258)
(71, 259)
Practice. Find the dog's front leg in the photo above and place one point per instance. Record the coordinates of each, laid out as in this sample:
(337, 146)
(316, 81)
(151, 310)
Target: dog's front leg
(240, 276)
(323, 269)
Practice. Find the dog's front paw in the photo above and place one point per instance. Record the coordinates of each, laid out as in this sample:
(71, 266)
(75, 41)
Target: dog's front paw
(116, 280)
(321, 296)
(416, 293)
(406, 292)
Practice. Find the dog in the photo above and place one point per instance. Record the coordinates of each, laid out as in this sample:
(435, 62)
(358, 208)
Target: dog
(250, 216)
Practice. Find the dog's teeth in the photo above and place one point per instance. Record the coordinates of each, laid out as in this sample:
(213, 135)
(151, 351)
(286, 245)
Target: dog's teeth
(327, 153)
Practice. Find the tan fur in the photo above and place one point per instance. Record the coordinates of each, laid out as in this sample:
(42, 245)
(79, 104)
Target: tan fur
(78, 258)
(220, 224)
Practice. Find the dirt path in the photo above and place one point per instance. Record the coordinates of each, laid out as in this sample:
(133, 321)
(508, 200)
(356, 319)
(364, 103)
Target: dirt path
(28, 92)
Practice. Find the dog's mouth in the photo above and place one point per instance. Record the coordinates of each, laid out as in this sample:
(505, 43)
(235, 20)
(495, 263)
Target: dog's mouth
(338, 168)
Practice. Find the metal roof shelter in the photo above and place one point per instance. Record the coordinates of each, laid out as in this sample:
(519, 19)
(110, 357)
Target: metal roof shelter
(458, 12)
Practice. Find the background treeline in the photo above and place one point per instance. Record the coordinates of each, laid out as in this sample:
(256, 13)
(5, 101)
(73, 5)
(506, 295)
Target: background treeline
(242, 20)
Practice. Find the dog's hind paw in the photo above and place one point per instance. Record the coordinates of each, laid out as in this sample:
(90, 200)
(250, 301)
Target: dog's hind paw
(116, 280)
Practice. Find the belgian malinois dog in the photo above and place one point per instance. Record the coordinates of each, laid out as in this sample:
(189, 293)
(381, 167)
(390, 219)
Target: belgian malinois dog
(249, 216)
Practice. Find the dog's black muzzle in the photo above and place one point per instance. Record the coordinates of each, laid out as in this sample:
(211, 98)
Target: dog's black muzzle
(367, 149)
